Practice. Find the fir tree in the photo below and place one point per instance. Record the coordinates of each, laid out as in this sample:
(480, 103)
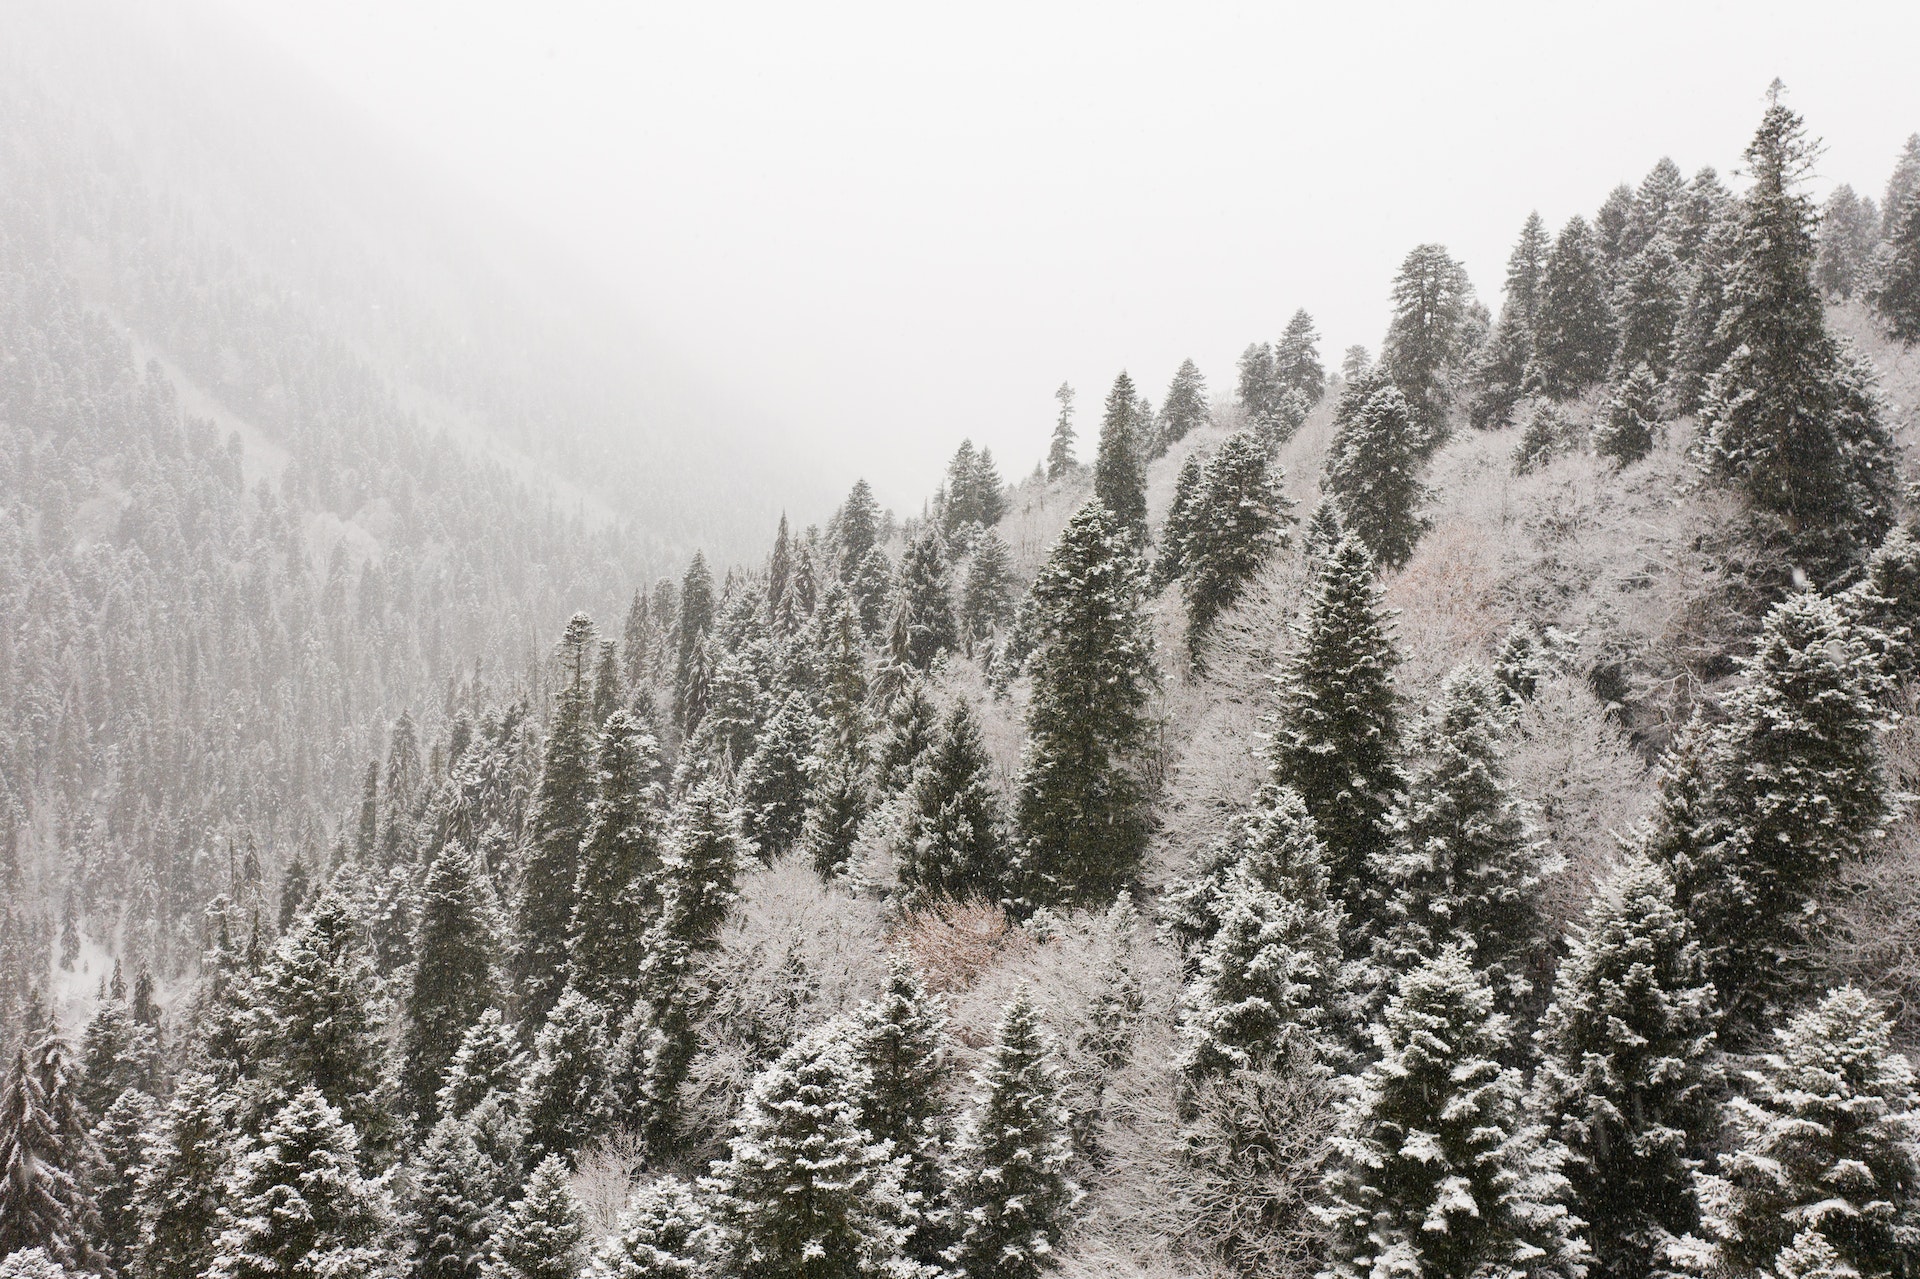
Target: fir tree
(1296, 360)
(1629, 1073)
(1082, 805)
(1436, 1172)
(1060, 449)
(1337, 737)
(1573, 335)
(806, 1192)
(562, 811)
(987, 595)
(452, 982)
(1372, 476)
(1625, 434)
(1499, 378)
(696, 616)
(1120, 470)
(1546, 436)
(1462, 869)
(368, 832)
(900, 1043)
(452, 1210)
(1521, 664)
(1012, 1194)
(636, 634)
(665, 1232)
(926, 599)
(543, 1235)
(857, 526)
(1895, 296)
(43, 1201)
(911, 729)
(179, 1190)
(1901, 183)
(1239, 521)
(775, 780)
(1790, 419)
(1657, 205)
(488, 1062)
(119, 1143)
(1828, 1140)
(295, 886)
(1185, 408)
(1426, 349)
(1849, 233)
(1259, 388)
(1651, 299)
(299, 1207)
(871, 588)
(617, 895)
(952, 846)
(1182, 520)
(564, 1096)
(1702, 345)
(838, 801)
(1885, 604)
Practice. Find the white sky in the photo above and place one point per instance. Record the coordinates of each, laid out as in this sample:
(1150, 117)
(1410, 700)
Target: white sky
(890, 226)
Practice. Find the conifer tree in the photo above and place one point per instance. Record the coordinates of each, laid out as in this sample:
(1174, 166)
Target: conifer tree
(562, 811)
(1436, 1172)
(1849, 233)
(1120, 470)
(1573, 332)
(452, 981)
(1901, 183)
(1625, 434)
(858, 527)
(488, 1062)
(1629, 1073)
(838, 801)
(119, 1143)
(1885, 604)
(1182, 519)
(368, 832)
(1082, 805)
(912, 726)
(1296, 360)
(926, 599)
(1827, 1139)
(316, 1022)
(1790, 419)
(617, 894)
(1895, 296)
(543, 1235)
(607, 691)
(1701, 345)
(871, 589)
(1270, 981)
(806, 1192)
(952, 846)
(1239, 520)
(179, 1190)
(636, 636)
(1651, 299)
(1185, 408)
(297, 1204)
(452, 1210)
(564, 1097)
(1498, 380)
(1425, 350)
(1657, 205)
(1060, 449)
(43, 1200)
(1372, 476)
(1462, 868)
(776, 778)
(987, 596)
(900, 1042)
(1259, 388)
(1611, 226)
(665, 1232)
(1523, 661)
(1012, 1194)
(1526, 266)
(696, 616)
(1336, 737)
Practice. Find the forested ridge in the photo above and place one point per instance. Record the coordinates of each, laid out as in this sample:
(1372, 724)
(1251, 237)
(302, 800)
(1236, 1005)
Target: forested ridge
(1433, 812)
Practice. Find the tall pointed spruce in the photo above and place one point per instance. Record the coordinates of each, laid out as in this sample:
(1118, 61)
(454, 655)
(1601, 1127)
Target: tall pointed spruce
(617, 893)
(452, 981)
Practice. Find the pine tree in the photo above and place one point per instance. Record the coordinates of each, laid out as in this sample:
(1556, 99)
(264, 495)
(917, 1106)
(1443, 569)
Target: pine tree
(858, 527)
(952, 846)
(562, 811)
(871, 589)
(774, 781)
(1296, 360)
(1259, 388)
(298, 1206)
(43, 1202)
(1629, 1073)
(368, 833)
(1060, 449)
(1462, 869)
(295, 887)
(1625, 434)
(1269, 982)
(1185, 408)
(119, 1142)
(912, 727)
(1849, 233)
(1657, 205)
(452, 980)
(316, 1021)
(543, 1235)
(1498, 380)
(987, 596)
(806, 1192)
(696, 616)
(1651, 300)
(1901, 183)
(1573, 333)
(1182, 520)
(1436, 1172)
(1702, 344)
(488, 1062)
(636, 636)
(838, 801)
(1337, 734)
(1885, 604)
(900, 1043)
(1425, 351)
(1240, 519)
(564, 1097)
(1790, 419)
(1082, 805)
(1524, 660)
(1372, 475)
(1895, 296)
(1120, 470)
(617, 894)
(1012, 1194)
(926, 599)
(180, 1185)
(1827, 1139)
(665, 1232)
(452, 1209)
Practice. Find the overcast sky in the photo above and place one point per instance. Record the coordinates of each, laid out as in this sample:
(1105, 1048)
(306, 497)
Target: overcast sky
(891, 226)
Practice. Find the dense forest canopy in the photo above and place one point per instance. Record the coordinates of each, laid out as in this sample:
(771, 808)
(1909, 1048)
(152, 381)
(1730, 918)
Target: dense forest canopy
(1441, 816)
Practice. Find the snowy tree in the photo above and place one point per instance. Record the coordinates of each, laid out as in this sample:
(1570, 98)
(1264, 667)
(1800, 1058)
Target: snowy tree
(542, 1235)
(1895, 295)
(900, 1042)
(1185, 408)
(564, 1097)
(1082, 805)
(913, 724)
(1849, 233)
(1827, 1139)
(1573, 332)
(776, 778)
(452, 1204)
(952, 845)
(1885, 604)
(1336, 736)
(1436, 1171)
(179, 1190)
(987, 595)
(617, 894)
(665, 1232)
(1296, 360)
(1651, 297)
(297, 1205)
(806, 1191)
(1626, 433)
(1629, 1073)
(1060, 448)
(452, 981)
(1012, 1194)
(857, 528)
(1120, 469)
(1235, 522)
(1373, 475)
(43, 1198)
(119, 1143)
(1426, 350)
(926, 599)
